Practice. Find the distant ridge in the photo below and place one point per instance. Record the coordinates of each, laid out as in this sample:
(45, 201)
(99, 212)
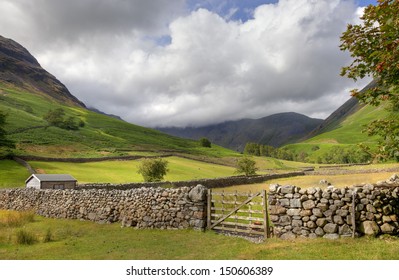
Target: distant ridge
(19, 68)
(275, 130)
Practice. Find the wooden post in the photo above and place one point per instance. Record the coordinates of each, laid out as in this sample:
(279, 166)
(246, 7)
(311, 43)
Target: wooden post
(353, 214)
(209, 209)
(266, 215)
(235, 204)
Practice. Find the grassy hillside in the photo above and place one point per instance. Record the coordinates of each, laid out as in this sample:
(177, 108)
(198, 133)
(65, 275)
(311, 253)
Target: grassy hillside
(101, 136)
(345, 134)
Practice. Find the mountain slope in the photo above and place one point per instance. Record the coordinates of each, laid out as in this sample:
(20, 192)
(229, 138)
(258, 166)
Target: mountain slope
(19, 68)
(27, 92)
(343, 128)
(334, 121)
(275, 130)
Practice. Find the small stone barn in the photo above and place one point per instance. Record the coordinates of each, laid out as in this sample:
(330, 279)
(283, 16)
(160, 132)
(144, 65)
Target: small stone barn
(51, 181)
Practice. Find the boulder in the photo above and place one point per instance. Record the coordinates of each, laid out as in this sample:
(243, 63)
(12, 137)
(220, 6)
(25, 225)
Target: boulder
(330, 228)
(369, 228)
(197, 194)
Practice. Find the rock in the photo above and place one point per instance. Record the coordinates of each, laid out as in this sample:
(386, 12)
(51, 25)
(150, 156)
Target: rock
(387, 228)
(309, 204)
(330, 228)
(197, 194)
(345, 230)
(295, 203)
(387, 209)
(319, 231)
(285, 221)
(296, 223)
(311, 191)
(277, 210)
(311, 225)
(331, 236)
(304, 213)
(287, 189)
(293, 212)
(369, 228)
(317, 212)
(321, 222)
(338, 220)
(288, 236)
(273, 187)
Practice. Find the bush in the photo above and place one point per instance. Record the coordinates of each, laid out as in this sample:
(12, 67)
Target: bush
(204, 142)
(48, 237)
(153, 170)
(247, 166)
(25, 238)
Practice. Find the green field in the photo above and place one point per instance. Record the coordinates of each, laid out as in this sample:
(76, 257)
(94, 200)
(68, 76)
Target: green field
(118, 172)
(181, 169)
(80, 240)
(12, 174)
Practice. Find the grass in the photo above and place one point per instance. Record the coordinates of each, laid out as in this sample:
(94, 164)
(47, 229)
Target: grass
(12, 174)
(181, 169)
(80, 240)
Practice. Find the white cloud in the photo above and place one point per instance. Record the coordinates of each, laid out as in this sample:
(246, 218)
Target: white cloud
(284, 59)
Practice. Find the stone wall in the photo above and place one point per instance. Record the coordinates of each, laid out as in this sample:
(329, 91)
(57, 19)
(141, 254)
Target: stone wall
(209, 183)
(142, 208)
(328, 213)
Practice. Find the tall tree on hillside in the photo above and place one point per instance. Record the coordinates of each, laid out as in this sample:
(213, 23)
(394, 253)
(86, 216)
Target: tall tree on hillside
(374, 45)
(4, 142)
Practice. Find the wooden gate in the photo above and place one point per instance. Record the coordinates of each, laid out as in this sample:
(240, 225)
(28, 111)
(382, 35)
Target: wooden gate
(239, 213)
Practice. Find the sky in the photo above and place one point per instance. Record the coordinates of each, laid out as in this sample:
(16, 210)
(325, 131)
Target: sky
(191, 62)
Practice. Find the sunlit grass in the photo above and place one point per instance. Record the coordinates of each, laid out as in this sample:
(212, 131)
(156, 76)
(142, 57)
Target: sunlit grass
(77, 240)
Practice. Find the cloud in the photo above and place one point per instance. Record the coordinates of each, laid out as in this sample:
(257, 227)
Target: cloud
(207, 69)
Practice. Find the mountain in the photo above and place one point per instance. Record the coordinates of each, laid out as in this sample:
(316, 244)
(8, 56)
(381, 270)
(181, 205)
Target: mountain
(28, 92)
(344, 129)
(333, 121)
(275, 130)
(19, 68)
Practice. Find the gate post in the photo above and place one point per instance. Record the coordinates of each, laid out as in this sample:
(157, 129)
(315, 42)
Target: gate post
(209, 209)
(266, 215)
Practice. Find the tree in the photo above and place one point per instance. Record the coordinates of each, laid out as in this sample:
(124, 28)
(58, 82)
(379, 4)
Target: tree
(153, 170)
(4, 142)
(247, 166)
(204, 142)
(70, 124)
(55, 117)
(252, 149)
(374, 45)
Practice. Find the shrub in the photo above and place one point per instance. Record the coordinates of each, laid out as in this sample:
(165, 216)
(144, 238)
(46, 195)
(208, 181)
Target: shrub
(25, 237)
(48, 237)
(153, 170)
(247, 166)
(204, 142)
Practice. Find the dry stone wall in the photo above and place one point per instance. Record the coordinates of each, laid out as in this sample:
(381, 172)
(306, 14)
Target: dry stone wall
(142, 208)
(328, 213)
(209, 183)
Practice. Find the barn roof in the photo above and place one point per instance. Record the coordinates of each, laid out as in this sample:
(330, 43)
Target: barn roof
(53, 178)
